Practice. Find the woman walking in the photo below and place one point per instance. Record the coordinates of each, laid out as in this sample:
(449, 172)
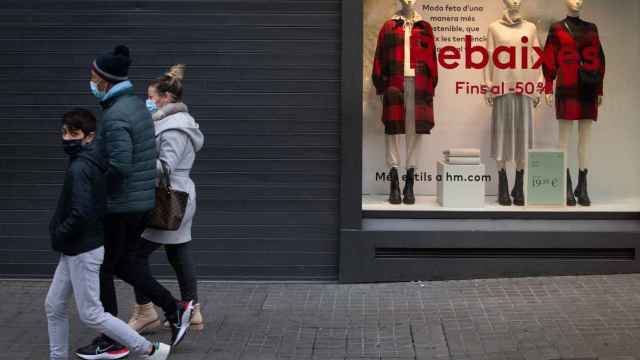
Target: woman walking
(178, 138)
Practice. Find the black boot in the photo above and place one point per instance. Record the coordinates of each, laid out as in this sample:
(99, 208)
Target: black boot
(503, 188)
(581, 191)
(394, 192)
(571, 200)
(409, 198)
(518, 189)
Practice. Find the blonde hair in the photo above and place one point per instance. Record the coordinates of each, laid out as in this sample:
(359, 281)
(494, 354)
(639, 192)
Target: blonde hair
(177, 72)
(171, 82)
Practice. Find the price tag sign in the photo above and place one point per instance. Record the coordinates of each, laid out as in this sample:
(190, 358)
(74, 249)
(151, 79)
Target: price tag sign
(546, 178)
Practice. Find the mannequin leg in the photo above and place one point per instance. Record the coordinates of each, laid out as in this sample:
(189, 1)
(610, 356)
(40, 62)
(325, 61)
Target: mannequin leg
(501, 164)
(414, 144)
(584, 147)
(392, 150)
(413, 141)
(393, 161)
(565, 127)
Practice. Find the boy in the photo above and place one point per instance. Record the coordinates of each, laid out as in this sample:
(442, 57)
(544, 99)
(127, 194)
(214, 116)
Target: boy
(76, 232)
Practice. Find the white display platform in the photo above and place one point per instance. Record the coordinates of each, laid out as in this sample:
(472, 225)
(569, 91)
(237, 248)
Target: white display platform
(430, 203)
(456, 187)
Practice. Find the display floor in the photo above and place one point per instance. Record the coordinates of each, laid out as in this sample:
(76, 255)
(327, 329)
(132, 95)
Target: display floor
(430, 203)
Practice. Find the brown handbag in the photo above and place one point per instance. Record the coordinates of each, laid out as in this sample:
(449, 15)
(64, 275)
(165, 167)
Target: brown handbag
(170, 205)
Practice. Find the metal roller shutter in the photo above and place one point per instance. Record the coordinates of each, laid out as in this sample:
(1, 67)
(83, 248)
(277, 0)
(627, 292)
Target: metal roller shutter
(262, 80)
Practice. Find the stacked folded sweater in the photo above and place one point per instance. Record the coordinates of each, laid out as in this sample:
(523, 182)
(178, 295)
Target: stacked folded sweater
(462, 156)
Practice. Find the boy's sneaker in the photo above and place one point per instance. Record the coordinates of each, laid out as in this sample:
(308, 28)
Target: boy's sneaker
(102, 348)
(160, 352)
(180, 323)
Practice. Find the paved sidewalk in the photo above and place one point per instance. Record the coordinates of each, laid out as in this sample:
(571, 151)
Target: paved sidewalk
(541, 318)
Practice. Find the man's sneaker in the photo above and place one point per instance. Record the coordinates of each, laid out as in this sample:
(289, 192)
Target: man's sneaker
(102, 348)
(160, 352)
(180, 323)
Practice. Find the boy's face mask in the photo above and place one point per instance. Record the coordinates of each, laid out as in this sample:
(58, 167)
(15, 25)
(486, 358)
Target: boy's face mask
(72, 147)
(73, 141)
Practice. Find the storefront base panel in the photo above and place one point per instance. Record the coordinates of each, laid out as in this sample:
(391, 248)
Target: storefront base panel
(389, 250)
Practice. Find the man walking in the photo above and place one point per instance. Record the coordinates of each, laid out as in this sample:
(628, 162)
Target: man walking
(127, 139)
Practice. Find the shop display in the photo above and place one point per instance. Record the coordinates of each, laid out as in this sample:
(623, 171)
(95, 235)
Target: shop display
(512, 114)
(493, 63)
(405, 75)
(574, 58)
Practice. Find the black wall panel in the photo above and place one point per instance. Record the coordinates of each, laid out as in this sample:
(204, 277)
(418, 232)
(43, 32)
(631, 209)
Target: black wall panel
(263, 80)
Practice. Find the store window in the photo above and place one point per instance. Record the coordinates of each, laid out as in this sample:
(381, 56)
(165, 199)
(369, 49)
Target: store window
(501, 105)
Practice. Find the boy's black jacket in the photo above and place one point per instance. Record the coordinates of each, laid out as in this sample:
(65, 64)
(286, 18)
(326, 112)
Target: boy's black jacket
(77, 225)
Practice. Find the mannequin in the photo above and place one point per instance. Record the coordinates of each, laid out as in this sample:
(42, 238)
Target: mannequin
(576, 100)
(406, 91)
(512, 119)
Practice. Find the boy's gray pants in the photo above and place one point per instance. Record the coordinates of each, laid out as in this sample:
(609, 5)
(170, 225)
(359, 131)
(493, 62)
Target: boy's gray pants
(80, 275)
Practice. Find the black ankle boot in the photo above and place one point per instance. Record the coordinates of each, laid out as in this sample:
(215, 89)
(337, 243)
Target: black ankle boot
(394, 192)
(581, 191)
(518, 189)
(571, 200)
(503, 188)
(408, 196)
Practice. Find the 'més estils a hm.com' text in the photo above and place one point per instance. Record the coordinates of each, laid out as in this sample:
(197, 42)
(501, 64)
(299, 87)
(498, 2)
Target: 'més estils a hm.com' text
(426, 177)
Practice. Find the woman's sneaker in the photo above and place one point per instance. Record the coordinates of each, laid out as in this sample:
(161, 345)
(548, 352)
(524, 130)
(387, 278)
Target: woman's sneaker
(180, 323)
(102, 348)
(160, 352)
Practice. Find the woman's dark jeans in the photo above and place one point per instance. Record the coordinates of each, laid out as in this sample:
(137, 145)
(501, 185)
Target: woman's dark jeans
(180, 259)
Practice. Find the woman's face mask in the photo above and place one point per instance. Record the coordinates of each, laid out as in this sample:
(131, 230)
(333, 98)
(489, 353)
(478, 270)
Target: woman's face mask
(151, 105)
(155, 100)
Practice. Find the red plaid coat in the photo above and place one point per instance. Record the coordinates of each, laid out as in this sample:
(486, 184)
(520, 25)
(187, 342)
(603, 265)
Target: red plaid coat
(388, 74)
(562, 54)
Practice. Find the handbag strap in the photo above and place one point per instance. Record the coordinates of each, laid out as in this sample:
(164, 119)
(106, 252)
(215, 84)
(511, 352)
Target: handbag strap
(165, 178)
(575, 40)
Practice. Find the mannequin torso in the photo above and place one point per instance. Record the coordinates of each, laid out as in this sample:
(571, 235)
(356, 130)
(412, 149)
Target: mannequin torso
(573, 11)
(509, 32)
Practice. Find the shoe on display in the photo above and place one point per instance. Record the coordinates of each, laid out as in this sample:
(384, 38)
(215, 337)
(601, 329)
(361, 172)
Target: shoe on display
(408, 196)
(503, 188)
(394, 191)
(518, 189)
(102, 347)
(581, 190)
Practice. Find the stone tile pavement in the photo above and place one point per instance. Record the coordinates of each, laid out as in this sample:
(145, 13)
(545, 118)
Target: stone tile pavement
(595, 317)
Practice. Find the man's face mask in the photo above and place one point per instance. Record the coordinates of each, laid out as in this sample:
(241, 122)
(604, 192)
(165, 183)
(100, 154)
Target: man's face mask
(100, 94)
